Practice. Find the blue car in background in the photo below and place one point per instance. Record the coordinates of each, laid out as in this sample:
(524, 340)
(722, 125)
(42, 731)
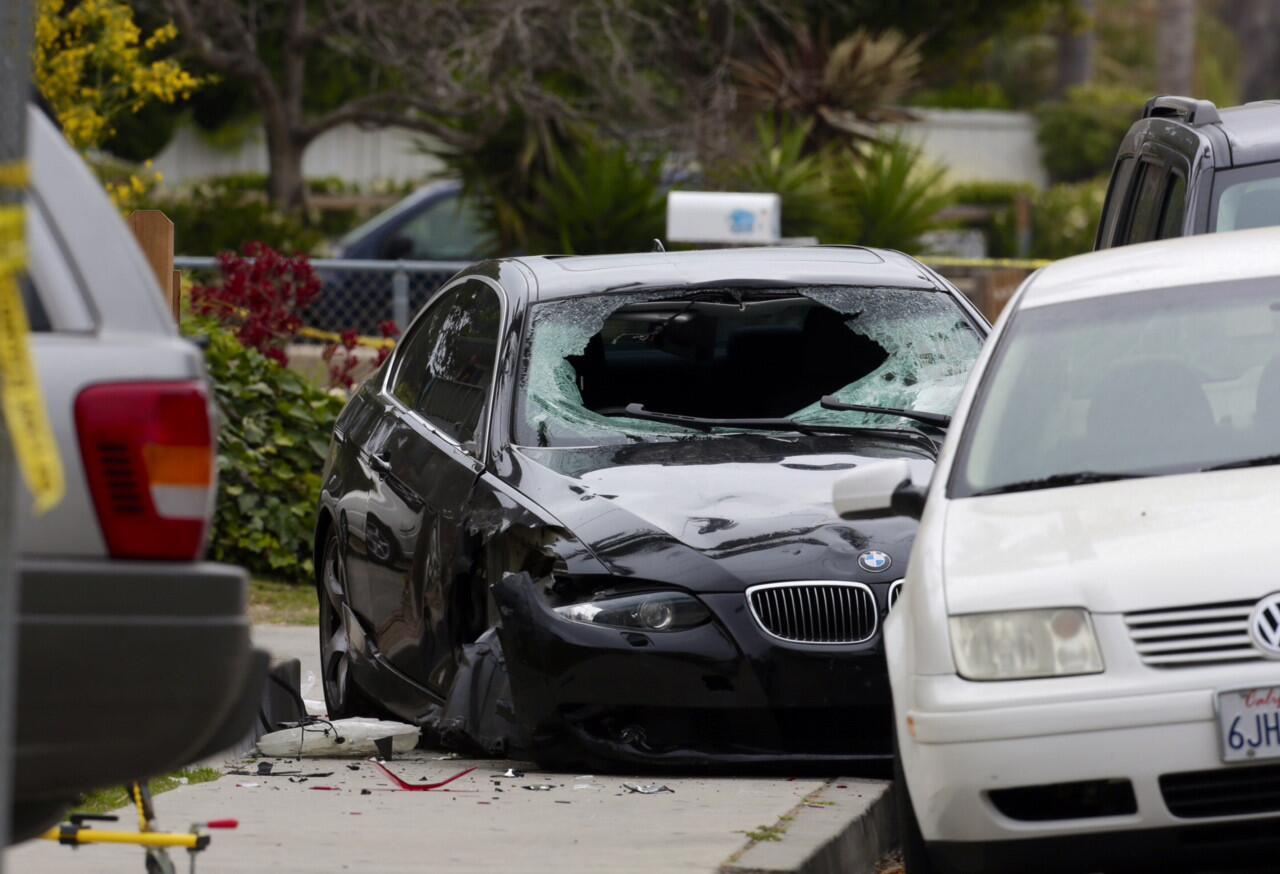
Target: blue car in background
(434, 224)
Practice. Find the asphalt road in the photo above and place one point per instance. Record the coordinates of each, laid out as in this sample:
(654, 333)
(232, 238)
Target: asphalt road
(486, 821)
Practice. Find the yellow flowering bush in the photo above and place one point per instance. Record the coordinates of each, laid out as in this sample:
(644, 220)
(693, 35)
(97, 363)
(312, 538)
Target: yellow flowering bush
(92, 64)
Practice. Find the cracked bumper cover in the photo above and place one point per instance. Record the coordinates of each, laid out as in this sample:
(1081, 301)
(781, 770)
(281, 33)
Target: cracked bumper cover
(723, 692)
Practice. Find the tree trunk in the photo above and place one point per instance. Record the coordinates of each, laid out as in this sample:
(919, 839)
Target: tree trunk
(1175, 46)
(1075, 52)
(1257, 27)
(286, 186)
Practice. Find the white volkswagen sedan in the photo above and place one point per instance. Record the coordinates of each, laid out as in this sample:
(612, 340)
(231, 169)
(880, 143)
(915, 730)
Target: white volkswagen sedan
(1085, 658)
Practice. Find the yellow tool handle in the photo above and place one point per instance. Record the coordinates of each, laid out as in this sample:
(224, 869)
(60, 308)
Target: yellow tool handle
(139, 839)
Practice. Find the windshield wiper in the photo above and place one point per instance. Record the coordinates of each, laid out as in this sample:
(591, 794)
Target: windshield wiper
(1077, 478)
(702, 423)
(937, 420)
(1259, 461)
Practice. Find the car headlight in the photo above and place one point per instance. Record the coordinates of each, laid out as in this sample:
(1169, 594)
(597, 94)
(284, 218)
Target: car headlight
(652, 611)
(1025, 644)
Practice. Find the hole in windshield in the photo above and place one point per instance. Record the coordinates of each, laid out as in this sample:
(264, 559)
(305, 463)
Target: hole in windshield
(736, 354)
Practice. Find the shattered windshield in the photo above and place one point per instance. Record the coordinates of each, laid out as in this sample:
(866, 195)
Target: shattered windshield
(735, 353)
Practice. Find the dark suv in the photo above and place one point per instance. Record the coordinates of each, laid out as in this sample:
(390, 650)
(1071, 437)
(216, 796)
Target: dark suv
(1187, 167)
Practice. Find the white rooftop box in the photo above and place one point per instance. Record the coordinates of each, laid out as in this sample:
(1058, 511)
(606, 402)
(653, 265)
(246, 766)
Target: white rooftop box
(723, 217)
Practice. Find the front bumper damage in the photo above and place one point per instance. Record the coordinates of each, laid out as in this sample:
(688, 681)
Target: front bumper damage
(722, 693)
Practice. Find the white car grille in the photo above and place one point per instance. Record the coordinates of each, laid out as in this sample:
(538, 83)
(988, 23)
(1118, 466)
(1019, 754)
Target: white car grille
(815, 612)
(1187, 637)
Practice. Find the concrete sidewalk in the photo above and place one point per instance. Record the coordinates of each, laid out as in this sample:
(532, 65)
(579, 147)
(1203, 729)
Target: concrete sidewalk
(484, 823)
(487, 823)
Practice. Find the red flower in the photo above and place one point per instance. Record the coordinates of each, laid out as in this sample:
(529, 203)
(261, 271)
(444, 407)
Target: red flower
(260, 296)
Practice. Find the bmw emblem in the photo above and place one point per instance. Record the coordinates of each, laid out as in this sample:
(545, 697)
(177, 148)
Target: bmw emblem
(875, 561)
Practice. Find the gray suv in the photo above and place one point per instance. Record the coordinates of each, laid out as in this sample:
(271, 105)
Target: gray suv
(134, 653)
(1187, 167)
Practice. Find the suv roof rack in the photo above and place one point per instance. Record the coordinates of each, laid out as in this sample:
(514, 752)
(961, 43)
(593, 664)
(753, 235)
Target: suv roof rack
(1188, 109)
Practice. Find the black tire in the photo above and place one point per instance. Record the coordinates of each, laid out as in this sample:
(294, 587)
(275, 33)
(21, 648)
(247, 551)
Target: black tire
(342, 696)
(915, 852)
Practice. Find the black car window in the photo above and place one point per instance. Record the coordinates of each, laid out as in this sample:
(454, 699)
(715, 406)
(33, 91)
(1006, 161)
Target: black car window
(1145, 215)
(1175, 207)
(1117, 197)
(446, 364)
(449, 229)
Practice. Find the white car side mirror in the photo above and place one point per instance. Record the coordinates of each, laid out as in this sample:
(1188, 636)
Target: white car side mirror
(884, 488)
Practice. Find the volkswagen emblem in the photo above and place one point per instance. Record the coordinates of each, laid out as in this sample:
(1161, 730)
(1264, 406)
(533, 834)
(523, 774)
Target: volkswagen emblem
(875, 561)
(1264, 626)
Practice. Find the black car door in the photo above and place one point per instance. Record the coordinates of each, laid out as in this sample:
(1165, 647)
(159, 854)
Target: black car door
(426, 465)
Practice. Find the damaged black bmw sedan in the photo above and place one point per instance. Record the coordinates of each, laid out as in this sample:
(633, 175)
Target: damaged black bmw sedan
(583, 513)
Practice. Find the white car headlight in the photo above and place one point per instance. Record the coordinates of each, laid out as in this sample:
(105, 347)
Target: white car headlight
(1025, 644)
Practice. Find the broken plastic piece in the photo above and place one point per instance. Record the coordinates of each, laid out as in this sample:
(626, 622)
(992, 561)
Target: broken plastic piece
(247, 785)
(342, 737)
(512, 772)
(417, 787)
(651, 789)
(538, 787)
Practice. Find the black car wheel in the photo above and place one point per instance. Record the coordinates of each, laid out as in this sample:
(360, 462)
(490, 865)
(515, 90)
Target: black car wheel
(915, 852)
(341, 695)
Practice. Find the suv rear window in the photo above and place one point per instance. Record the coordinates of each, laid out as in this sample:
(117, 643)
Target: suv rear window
(37, 315)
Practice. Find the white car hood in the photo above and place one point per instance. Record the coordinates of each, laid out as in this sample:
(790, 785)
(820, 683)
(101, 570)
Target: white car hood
(1116, 547)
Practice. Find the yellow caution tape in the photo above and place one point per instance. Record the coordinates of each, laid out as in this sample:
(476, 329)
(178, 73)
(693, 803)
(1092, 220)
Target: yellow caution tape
(331, 337)
(989, 263)
(24, 408)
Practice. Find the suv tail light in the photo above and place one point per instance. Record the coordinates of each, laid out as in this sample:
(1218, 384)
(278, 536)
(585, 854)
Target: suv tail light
(149, 456)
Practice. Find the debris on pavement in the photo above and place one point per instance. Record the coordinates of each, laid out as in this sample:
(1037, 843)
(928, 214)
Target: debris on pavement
(406, 786)
(247, 785)
(356, 736)
(512, 772)
(651, 789)
(538, 787)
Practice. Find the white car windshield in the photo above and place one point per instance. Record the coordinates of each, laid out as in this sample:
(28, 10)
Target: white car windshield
(1138, 384)
(737, 353)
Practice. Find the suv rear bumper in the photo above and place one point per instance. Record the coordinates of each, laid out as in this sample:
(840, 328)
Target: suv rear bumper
(128, 669)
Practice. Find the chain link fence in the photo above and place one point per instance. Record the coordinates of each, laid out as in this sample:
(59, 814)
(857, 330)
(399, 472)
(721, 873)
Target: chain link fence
(356, 295)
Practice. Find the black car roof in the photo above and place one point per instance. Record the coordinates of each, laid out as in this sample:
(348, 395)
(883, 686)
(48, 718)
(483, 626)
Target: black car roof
(572, 275)
(1253, 130)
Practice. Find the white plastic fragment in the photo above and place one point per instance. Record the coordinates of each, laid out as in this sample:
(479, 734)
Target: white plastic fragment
(342, 737)
(651, 789)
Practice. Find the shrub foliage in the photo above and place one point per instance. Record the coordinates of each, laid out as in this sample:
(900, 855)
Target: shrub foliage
(273, 439)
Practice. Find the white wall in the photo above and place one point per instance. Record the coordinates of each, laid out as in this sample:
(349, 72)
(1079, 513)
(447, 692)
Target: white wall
(347, 152)
(976, 145)
(979, 145)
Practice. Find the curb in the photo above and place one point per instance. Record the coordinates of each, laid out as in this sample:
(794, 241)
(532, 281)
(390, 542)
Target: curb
(846, 827)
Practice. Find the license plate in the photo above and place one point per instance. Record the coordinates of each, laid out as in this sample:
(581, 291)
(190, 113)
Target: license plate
(1249, 724)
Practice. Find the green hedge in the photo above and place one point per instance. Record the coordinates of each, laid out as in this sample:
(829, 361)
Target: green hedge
(1079, 136)
(273, 440)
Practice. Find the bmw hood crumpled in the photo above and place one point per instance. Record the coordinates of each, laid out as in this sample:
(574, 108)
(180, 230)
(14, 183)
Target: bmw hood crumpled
(717, 515)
